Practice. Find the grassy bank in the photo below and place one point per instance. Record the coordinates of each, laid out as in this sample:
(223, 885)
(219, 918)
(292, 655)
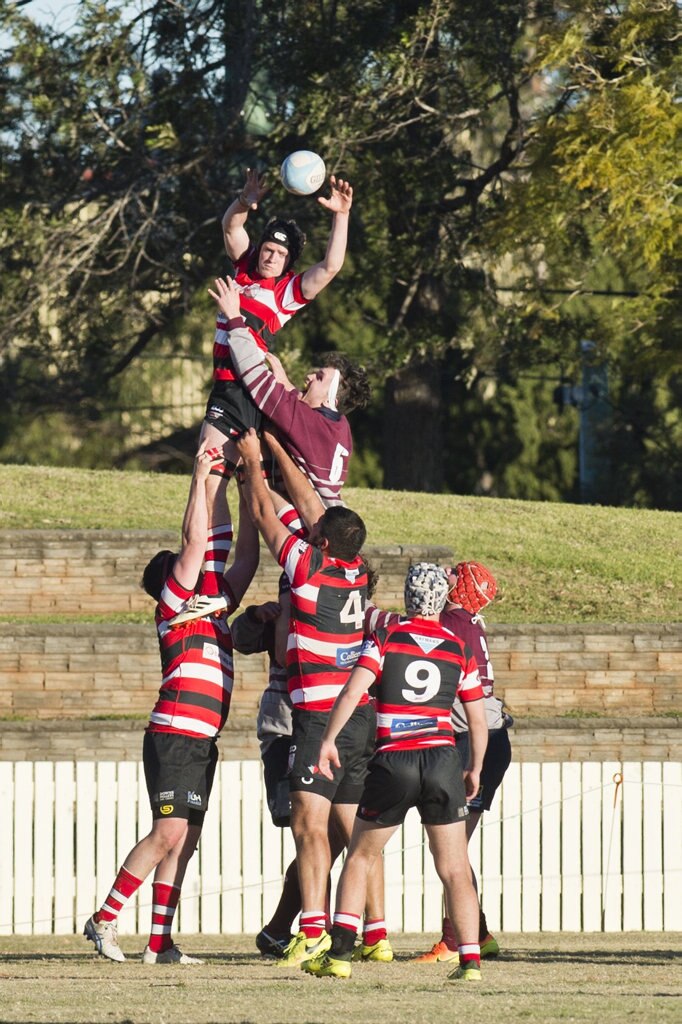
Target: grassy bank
(555, 563)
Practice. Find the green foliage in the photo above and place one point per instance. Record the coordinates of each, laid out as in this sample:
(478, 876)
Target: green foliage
(512, 163)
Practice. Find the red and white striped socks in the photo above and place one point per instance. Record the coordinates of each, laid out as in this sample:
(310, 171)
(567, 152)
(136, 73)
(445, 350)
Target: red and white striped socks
(218, 546)
(374, 930)
(119, 894)
(165, 901)
(311, 923)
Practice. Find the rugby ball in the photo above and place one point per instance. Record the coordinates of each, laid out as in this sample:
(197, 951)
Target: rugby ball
(303, 172)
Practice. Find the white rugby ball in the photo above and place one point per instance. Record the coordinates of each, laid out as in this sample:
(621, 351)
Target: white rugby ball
(303, 172)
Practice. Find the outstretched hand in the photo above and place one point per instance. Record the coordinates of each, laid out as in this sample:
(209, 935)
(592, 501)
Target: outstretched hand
(254, 188)
(341, 198)
(227, 297)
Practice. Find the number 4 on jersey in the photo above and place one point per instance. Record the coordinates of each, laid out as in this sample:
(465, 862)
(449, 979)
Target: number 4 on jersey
(352, 610)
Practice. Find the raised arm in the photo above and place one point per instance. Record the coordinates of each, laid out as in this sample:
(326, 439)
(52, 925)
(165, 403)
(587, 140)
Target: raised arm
(301, 492)
(195, 522)
(339, 203)
(244, 351)
(246, 554)
(257, 496)
(234, 219)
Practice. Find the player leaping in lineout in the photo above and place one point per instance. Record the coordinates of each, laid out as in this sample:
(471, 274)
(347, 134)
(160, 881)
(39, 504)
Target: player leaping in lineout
(271, 291)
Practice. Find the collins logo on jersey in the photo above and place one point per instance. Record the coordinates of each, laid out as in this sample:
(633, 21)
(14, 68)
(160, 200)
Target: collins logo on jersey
(346, 658)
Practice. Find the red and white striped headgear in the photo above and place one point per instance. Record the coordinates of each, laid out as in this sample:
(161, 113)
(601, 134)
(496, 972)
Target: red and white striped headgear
(475, 587)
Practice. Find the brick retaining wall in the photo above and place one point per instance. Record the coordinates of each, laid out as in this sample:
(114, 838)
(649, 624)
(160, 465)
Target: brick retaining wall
(56, 680)
(80, 671)
(533, 740)
(97, 572)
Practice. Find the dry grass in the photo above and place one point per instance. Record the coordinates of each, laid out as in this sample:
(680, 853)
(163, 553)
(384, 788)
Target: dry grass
(540, 979)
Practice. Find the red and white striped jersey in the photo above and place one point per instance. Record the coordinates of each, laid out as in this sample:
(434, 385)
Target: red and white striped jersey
(419, 667)
(266, 304)
(197, 668)
(326, 623)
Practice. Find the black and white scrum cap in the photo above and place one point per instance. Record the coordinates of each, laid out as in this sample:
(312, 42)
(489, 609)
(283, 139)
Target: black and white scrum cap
(426, 589)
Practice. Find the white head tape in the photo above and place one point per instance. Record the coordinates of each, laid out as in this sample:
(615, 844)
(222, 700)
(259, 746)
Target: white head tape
(333, 390)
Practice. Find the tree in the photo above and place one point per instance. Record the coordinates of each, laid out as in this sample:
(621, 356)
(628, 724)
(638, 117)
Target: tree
(511, 162)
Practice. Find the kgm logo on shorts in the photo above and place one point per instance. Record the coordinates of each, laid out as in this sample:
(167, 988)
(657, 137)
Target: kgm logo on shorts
(346, 658)
(193, 799)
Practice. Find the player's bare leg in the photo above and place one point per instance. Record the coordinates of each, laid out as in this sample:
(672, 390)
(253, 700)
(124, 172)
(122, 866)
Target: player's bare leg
(375, 944)
(216, 485)
(168, 879)
(449, 848)
(309, 824)
(367, 843)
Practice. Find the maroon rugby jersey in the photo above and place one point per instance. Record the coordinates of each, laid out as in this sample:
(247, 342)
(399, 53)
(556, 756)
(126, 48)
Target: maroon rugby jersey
(266, 305)
(420, 666)
(318, 439)
(197, 669)
(326, 623)
(470, 628)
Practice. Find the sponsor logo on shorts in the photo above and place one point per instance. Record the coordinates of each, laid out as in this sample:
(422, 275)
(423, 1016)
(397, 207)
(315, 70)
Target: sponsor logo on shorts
(368, 812)
(167, 809)
(346, 658)
(290, 760)
(307, 782)
(462, 812)
(214, 413)
(193, 799)
(168, 794)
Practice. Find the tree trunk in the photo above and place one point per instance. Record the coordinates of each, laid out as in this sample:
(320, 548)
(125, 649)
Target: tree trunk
(413, 457)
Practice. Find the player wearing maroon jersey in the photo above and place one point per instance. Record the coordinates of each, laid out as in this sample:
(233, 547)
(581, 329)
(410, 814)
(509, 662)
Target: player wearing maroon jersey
(179, 751)
(418, 667)
(311, 424)
(270, 293)
(328, 585)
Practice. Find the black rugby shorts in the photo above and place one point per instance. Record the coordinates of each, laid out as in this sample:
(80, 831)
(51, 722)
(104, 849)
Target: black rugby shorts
(179, 771)
(355, 744)
(429, 779)
(231, 410)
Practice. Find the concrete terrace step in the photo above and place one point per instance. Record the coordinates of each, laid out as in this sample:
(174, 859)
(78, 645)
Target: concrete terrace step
(533, 740)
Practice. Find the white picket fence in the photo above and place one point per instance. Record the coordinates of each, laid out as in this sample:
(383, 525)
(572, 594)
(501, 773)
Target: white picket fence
(565, 847)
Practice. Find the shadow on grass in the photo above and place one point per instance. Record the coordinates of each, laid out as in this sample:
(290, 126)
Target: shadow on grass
(631, 957)
(74, 958)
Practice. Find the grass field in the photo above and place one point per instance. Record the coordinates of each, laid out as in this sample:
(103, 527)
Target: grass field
(539, 979)
(554, 562)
